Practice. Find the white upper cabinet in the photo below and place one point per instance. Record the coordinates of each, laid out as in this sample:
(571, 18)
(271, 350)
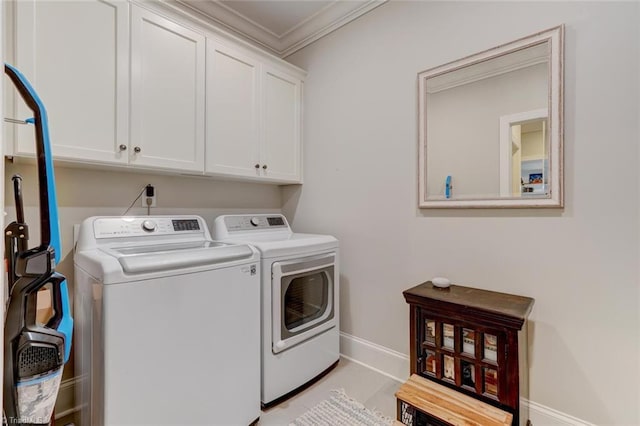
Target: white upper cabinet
(167, 93)
(280, 150)
(75, 54)
(232, 112)
(133, 85)
(253, 117)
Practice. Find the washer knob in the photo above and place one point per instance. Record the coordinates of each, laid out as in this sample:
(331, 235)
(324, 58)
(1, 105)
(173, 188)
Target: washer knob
(254, 221)
(149, 225)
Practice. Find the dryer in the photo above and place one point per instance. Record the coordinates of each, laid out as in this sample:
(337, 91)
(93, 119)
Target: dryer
(167, 324)
(300, 300)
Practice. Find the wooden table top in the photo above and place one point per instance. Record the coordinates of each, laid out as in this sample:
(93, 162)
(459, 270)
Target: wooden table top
(509, 305)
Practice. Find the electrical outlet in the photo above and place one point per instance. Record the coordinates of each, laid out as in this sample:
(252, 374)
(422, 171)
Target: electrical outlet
(149, 196)
(145, 200)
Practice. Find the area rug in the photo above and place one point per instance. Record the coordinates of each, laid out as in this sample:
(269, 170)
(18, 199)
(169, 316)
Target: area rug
(341, 410)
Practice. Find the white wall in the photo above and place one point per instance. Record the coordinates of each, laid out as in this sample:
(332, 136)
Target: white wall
(580, 264)
(533, 145)
(84, 193)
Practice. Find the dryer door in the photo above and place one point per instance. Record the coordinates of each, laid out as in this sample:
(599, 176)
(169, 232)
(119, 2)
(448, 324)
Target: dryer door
(304, 299)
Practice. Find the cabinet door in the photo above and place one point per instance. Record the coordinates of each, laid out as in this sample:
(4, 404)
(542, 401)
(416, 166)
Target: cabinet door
(282, 108)
(232, 145)
(167, 93)
(75, 54)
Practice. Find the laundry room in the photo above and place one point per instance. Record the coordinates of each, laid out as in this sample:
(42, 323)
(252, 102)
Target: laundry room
(307, 133)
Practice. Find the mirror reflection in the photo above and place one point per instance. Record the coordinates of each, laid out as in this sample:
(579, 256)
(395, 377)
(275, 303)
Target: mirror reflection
(529, 161)
(490, 127)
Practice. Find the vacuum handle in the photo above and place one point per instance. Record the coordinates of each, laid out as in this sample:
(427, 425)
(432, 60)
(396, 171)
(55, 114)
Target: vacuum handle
(22, 238)
(56, 281)
(50, 241)
(17, 193)
(16, 235)
(61, 319)
(42, 137)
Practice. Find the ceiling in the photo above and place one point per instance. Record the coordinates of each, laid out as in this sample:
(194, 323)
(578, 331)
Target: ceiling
(280, 26)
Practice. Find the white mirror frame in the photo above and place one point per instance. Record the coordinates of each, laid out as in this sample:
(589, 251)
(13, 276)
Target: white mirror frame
(555, 38)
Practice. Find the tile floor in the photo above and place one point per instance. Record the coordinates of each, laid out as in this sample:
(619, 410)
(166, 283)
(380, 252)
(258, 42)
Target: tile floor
(374, 390)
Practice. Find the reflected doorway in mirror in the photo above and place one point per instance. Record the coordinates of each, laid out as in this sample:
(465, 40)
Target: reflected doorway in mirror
(524, 152)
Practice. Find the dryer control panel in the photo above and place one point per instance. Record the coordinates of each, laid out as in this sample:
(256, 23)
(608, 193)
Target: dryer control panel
(118, 227)
(255, 222)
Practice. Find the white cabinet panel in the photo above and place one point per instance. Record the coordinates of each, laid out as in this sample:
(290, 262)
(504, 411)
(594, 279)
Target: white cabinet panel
(76, 56)
(280, 150)
(124, 85)
(167, 93)
(253, 118)
(232, 112)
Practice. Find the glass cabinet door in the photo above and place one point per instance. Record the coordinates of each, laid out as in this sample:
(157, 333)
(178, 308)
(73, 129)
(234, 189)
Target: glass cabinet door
(460, 355)
(490, 382)
(448, 334)
(469, 342)
(430, 331)
(490, 347)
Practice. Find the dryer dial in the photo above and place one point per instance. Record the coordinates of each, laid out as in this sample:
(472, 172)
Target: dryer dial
(255, 221)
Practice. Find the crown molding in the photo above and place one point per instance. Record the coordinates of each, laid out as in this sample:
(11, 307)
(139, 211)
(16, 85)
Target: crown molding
(324, 22)
(318, 25)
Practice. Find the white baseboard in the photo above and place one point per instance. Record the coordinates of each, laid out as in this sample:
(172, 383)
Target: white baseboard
(383, 360)
(395, 365)
(541, 415)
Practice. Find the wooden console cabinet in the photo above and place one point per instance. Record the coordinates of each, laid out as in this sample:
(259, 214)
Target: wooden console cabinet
(473, 341)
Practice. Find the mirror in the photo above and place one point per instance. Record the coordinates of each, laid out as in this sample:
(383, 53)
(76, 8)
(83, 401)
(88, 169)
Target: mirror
(491, 127)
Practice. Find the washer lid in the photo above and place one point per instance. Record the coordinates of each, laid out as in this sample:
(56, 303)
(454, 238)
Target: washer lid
(164, 257)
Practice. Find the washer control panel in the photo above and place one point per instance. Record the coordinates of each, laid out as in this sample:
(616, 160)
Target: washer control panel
(255, 222)
(117, 227)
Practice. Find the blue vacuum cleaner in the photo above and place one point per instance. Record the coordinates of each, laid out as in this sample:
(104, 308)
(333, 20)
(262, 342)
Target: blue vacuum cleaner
(34, 354)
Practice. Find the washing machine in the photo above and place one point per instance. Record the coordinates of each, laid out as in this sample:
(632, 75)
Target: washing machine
(300, 288)
(167, 324)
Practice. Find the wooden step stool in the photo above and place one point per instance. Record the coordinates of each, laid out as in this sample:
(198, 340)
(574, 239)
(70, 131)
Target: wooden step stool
(424, 402)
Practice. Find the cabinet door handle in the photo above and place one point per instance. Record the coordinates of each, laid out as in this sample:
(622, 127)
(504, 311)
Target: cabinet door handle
(264, 167)
(123, 147)
(137, 149)
(257, 166)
